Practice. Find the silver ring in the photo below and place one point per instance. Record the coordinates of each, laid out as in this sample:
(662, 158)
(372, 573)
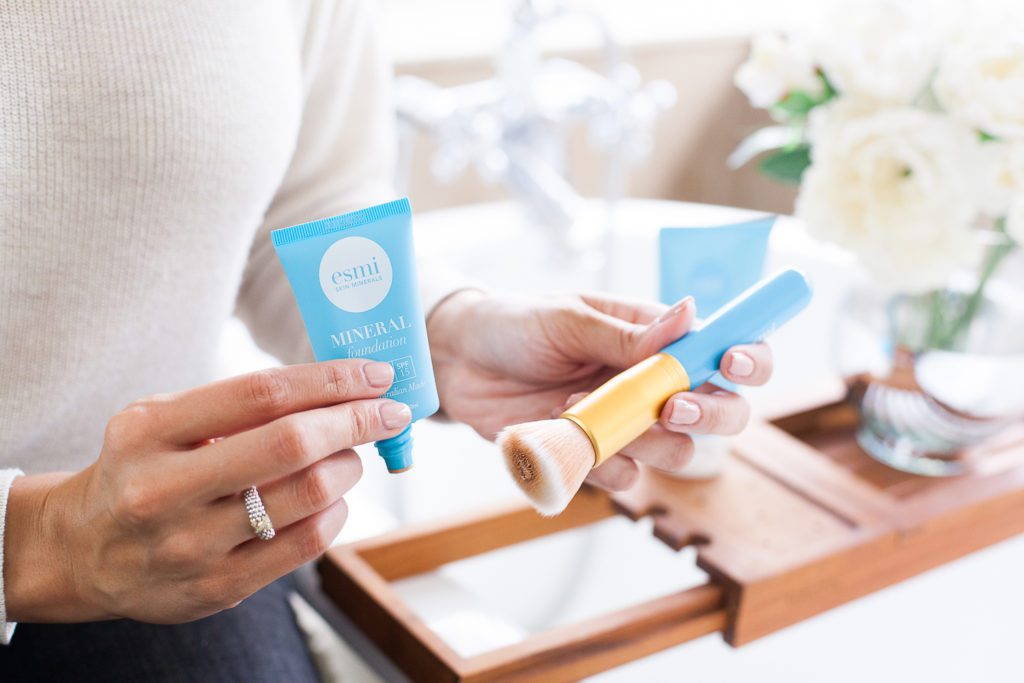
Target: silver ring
(259, 520)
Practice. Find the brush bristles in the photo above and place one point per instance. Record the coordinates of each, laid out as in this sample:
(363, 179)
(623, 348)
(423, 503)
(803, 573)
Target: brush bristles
(549, 460)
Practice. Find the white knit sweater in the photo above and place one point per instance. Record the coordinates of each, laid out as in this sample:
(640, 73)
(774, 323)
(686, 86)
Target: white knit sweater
(146, 149)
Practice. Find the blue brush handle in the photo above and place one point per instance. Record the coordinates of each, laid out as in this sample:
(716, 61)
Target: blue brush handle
(748, 318)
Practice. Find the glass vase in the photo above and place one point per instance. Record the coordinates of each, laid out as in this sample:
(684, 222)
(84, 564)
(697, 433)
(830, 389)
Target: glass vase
(933, 375)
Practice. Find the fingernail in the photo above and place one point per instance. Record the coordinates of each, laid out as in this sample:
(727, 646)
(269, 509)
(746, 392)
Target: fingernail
(740, 364)
(394, 414)
(574, 399)
(675, 310)
(684, 412)
(379, 374)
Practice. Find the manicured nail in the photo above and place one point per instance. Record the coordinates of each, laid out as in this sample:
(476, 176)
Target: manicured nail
(675, 310)
(741, 365)
(395, 415)
(574, 399)
(684, 412)
(379, 374)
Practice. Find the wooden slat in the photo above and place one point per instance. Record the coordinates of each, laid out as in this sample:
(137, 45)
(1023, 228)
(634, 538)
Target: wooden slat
(961, 494)
(417, 549)
(786, 599)
(362, 591)
(746, 525)
(371, 604)
(786, 458)
(584, 649)
(821, 418)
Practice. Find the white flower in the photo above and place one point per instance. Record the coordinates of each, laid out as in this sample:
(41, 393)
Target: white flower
(1015, 220)
(980, 79)
(776, 67)
(882, 50)
(893, 184)
(1002, 175)
(1011, 179)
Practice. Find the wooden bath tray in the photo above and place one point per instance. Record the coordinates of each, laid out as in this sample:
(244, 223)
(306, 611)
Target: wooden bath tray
(800, 521)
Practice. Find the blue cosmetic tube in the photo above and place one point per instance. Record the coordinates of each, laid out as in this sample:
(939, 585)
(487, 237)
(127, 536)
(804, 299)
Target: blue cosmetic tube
(354, 277)
(714, 264)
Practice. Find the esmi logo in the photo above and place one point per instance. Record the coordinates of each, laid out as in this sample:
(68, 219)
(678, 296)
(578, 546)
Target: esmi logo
(359, 273)
(355, 274)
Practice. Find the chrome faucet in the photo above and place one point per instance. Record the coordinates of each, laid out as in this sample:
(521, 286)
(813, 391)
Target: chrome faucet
(513, 128)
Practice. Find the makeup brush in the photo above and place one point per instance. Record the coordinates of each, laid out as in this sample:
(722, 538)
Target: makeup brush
(549, 459)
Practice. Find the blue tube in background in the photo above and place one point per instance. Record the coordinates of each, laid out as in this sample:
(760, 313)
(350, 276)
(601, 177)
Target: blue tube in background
(712, 264)
(749, 318)
(354, 277)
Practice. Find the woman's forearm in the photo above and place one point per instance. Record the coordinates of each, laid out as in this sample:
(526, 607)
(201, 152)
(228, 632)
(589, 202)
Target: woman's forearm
(39, 575)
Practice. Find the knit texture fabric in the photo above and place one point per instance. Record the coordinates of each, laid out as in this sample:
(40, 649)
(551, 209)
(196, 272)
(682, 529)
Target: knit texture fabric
(6, 479)
(146, 151)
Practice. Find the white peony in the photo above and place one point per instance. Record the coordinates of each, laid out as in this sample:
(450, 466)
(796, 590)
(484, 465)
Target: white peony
(1002, 175)
(893, 184)
(776, 67)
(1015, 220)
(980, 79)
(881, 50)
(1011, 180)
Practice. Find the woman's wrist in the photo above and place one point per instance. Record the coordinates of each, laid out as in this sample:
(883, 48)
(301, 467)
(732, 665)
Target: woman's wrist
(39, 579)
(446, 324)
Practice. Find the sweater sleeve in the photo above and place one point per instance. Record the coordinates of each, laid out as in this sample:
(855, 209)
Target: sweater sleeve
(6, 479)
(344, 160)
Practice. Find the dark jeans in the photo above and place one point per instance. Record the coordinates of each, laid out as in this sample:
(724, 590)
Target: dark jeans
(256, 641)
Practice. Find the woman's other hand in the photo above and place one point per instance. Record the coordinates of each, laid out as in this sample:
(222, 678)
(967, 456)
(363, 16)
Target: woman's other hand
(156, 530)
(504, 360)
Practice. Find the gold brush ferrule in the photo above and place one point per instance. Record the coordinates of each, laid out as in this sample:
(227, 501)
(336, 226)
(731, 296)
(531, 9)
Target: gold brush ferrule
(625, 406)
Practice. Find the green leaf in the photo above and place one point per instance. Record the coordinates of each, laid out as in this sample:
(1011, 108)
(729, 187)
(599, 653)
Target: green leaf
(987, 137)
(787, 165)
(799, 103)
(829, 91)
(796, 104)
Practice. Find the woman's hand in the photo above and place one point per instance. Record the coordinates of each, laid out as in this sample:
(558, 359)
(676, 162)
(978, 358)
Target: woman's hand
(156, 530)
(502, 361)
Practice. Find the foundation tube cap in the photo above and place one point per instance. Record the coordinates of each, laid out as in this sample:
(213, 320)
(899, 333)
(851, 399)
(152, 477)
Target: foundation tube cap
(397, 451)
